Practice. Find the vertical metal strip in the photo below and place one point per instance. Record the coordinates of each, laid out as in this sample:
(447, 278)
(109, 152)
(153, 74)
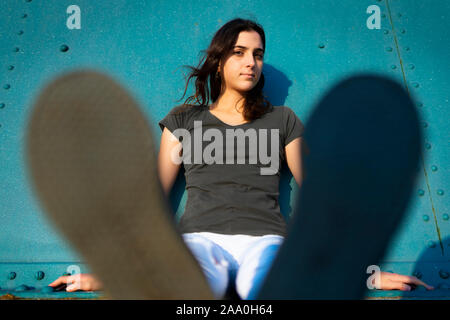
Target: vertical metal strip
(421, 156)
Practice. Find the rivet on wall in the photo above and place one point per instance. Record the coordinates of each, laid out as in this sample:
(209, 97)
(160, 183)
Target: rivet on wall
(431, 244)
(321, 45)
(425, 217)
(445, 216)
(415, 84)
(406, 48)
(2, 105)
(411, 66)
(421, 192)
(7, 86)
(434, 168)
(386, 31)
(11, 67)
(389, 49)
(63, 48)
(16, 49)
(443, 274)
(440, 192)
(20, 32)
(24, 16)
(393, 67)
(12, 275)
(424, 124)
(427, 146)
(39, 275)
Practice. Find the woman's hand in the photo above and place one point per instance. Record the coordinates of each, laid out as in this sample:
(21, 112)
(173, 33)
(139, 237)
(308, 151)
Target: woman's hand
(394, 281)
(84, 282)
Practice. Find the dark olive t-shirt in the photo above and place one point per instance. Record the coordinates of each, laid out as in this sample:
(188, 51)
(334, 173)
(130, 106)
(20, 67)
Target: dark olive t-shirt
(232, 172)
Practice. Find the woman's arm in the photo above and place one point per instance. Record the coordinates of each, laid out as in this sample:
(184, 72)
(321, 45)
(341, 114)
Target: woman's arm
(169, 148)
(294, 154)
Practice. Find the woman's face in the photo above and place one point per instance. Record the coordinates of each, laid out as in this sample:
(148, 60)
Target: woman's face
(245, 58)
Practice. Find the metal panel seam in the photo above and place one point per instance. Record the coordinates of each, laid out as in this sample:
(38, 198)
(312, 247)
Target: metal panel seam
(421, 156)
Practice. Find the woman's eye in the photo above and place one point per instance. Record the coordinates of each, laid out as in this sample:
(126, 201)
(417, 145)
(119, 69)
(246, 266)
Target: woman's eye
(258, 55)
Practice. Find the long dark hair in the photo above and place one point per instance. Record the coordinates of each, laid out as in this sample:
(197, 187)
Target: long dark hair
(255, 104)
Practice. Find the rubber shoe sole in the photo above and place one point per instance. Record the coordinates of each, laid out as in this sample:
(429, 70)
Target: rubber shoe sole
(92, 164)
(365, 142)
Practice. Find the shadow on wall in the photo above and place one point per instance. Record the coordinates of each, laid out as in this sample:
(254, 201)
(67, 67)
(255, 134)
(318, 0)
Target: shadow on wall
(433, 267)
(276, 90)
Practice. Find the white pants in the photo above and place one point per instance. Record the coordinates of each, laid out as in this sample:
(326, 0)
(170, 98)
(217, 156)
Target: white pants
(241, 258)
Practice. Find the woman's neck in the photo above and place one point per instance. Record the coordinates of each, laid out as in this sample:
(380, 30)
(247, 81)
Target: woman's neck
(229, 103)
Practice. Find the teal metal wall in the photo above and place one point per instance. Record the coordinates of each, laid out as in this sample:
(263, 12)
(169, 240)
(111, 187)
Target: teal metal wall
(143, 44)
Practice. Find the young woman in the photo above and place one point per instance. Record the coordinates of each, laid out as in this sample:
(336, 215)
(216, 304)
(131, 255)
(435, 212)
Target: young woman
(232, 150)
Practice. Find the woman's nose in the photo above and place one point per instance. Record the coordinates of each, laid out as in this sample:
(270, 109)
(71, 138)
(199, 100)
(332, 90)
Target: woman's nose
(250, 60)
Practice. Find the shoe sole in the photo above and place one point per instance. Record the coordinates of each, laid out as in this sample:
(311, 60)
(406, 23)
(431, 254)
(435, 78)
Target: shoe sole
(92, 163)
(365, 144)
